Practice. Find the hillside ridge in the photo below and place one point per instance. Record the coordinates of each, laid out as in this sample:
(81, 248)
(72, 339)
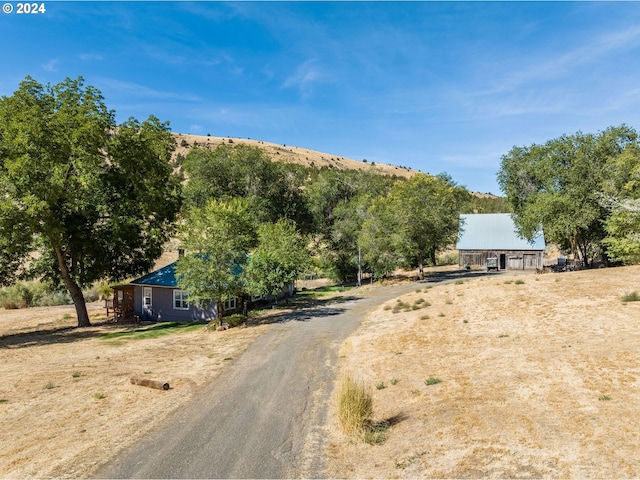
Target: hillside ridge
(299, 155)
(291, 154)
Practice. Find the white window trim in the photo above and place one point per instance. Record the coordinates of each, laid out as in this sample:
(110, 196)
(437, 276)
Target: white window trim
(229, 304)
(184, 300)
(144, 296)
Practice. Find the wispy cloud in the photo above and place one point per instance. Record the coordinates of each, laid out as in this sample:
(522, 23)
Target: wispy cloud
(89, 57)
(563, 64)
(305, 76)
(136, 90)
(51, 66)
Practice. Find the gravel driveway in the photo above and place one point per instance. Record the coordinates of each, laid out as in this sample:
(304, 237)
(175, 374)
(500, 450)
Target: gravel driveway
(263, 417)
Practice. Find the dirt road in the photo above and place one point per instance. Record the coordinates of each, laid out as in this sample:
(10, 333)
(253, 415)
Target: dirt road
(263, 417)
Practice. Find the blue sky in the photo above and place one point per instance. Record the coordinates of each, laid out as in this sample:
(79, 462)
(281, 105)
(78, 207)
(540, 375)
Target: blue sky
(440, 87)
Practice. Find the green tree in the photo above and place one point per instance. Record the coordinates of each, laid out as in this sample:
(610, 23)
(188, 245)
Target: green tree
(271, 188)
(339, 201)
(420, 217)
(280, 257)
(622, 196)
(379, 237)
(559, 186)
(218, 239)
(95, 201)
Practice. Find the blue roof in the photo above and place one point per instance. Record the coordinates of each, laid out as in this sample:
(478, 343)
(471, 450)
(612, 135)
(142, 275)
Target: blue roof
(494, 231)
(166, 276)
(163, 277)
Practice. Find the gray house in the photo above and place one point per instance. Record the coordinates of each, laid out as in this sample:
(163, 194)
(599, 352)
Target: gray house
(156, 297)
(494, 235)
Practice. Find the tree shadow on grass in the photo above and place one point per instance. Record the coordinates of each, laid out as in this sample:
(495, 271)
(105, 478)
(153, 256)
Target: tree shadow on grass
(302, 311)
(450, 275)
(62, 335)
(48, 337)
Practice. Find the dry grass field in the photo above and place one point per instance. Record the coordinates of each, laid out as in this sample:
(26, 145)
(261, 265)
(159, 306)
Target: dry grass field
(539, 377)
(66, 401)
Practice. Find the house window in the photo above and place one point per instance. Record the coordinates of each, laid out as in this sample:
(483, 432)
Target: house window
(146, 297)
(180, 300)
(229, 304)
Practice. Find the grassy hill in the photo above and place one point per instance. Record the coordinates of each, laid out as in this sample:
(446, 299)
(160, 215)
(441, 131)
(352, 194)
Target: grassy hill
(287, 153)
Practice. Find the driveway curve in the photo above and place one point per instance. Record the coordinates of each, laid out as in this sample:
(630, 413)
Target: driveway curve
(264, 416)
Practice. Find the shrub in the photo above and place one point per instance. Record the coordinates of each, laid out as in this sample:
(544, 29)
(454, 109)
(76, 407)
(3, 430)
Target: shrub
(234, 320)
(432, 381)
(355, 406)
(449, 259)
(631, 297)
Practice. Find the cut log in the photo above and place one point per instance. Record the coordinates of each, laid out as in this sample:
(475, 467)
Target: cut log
(150, 383)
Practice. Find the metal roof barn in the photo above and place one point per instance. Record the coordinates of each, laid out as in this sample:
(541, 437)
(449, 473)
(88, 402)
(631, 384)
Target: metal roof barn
(494, 235)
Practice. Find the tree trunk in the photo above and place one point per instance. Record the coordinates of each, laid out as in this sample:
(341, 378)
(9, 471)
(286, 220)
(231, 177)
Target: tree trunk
(219, 309)
(73, 289)
(359, 266)
(421, 266)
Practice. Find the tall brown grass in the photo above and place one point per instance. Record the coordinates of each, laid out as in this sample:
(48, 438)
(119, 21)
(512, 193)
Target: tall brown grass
(355, 406)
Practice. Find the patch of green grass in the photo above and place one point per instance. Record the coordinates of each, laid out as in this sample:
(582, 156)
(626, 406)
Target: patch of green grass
(50, 385)
(425, 317)
(441, 314)
(154, 331)
(432, 381)
(419, 301)
(631, 297)
(519, 282)
(77, 374)
(376, 434)
(387, 307)
(402, 464)
(465, 321)
(459, 282)
(3, 400)
(604, 398)
(503, 335)
(394, 381)
(508, 282)
(380, 385)
(99, 395)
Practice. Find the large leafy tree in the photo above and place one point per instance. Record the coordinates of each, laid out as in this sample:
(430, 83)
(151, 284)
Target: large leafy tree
(93, 200)
(621, 194)
(419, 217)
(339, 200)
(271, 188)
(218, 239)
(559, 186)
(280, 257)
